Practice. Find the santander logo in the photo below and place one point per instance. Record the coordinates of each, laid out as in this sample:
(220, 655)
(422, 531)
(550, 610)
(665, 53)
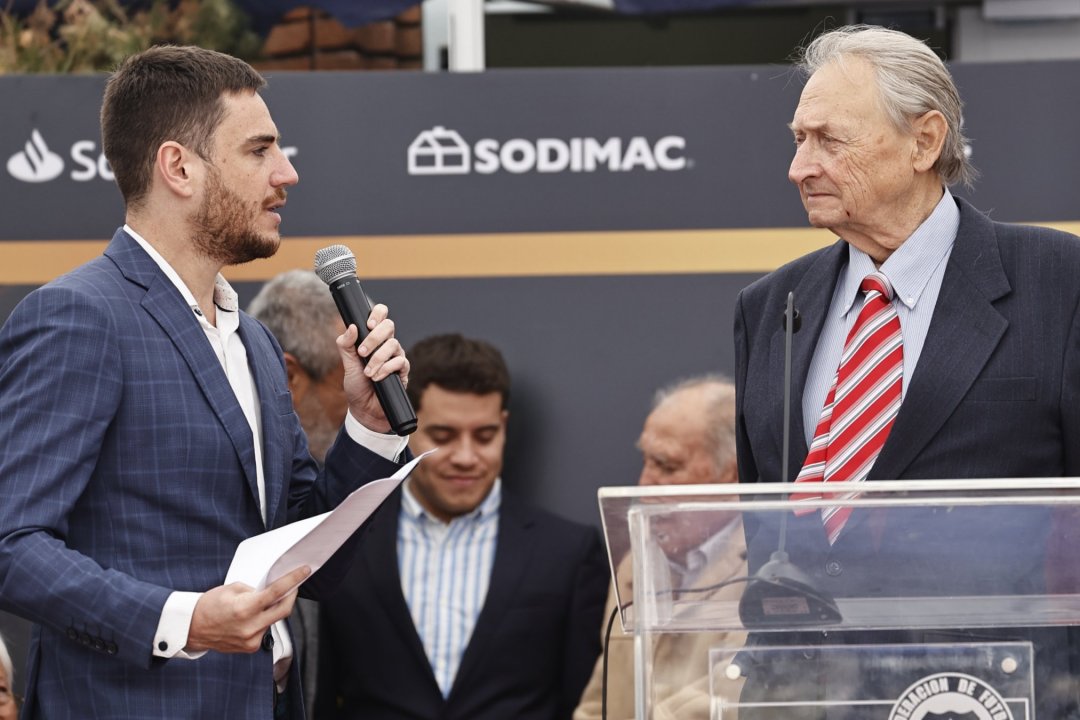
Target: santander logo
(35, 163)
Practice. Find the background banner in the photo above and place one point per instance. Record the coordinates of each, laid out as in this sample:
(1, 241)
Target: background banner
(596, 225)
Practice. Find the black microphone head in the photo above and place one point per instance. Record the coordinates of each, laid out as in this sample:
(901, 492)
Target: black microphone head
(334, 262)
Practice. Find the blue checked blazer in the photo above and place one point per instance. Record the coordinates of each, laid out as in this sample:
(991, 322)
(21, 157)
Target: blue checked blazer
(127, 471)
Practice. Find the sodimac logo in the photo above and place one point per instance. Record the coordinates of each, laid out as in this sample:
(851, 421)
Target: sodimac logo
(442, 151)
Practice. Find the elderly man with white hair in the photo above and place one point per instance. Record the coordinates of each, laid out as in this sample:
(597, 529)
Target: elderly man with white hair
(688, 439)
(935, 343)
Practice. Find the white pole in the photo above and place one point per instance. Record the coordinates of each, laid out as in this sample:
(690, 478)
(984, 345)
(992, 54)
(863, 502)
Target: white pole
(466, 48)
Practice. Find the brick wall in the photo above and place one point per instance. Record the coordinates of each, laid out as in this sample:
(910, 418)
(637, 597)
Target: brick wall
(308, 39)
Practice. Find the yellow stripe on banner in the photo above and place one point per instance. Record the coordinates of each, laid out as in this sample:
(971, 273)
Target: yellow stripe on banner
(539, 254)
(652, 252)
(1069, 227)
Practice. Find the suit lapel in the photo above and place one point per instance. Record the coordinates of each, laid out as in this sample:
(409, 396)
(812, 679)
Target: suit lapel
(379, 548)
(964, 331)
(813, 295)
(166, 305)
(277, 456)
(513, 555)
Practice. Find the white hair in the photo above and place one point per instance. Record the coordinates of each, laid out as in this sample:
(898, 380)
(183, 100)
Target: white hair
(912, 80)
(5, 661)
(299, 310)
(720, 408)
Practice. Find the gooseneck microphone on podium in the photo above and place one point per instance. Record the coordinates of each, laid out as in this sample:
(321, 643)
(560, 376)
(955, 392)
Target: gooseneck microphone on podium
(336, 266)
(779, 594)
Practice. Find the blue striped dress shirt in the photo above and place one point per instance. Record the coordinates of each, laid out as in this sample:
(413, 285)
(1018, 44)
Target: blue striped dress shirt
(915, 270)
(445, 572)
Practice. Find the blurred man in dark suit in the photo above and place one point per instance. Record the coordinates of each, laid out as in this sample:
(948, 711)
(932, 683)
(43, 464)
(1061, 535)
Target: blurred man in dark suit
(465, 603)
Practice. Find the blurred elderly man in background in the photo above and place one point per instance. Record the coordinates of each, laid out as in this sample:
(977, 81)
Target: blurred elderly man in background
(299, 310)
(688, 439)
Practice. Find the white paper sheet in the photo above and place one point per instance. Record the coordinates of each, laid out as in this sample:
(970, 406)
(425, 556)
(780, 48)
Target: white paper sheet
(262, 559)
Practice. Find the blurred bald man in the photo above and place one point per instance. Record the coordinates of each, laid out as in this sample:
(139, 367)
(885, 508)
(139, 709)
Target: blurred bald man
(688, 439)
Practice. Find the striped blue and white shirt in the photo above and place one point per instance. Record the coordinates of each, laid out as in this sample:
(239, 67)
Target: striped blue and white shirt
(445, 572)
(916, 270)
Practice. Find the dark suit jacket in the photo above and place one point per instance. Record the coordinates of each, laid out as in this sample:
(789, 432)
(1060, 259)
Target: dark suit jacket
(127, 471)
(996, 393)
(529, 656)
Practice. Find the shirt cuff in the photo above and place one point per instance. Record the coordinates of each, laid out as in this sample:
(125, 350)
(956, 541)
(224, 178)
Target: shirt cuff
(174, 625)
(389, 447)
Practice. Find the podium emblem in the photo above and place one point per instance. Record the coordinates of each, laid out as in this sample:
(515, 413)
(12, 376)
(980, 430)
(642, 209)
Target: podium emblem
(950, 696)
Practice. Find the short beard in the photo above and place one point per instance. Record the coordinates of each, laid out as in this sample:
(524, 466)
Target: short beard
(223, 226)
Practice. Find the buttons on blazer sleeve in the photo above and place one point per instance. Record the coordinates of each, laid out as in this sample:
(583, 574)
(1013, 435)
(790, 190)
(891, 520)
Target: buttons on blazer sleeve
(95, 641)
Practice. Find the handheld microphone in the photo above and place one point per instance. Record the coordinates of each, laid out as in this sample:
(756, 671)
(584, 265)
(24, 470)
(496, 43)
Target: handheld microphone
(780, 594)
(336, 266)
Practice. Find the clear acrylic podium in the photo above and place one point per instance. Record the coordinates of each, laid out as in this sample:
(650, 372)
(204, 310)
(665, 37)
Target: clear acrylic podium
(940, 600)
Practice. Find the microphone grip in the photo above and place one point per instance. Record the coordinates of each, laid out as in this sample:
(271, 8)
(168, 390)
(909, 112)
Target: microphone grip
(353, 304)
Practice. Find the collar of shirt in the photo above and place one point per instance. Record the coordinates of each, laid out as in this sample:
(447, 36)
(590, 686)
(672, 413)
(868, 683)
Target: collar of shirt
(915, 270)
(225, 298)
(700, 557)
(710, 550)
(411, 506)
(910, 267)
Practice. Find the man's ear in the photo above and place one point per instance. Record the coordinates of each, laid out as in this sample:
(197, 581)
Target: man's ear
(299, 380)
(929, 130)
(175, 166)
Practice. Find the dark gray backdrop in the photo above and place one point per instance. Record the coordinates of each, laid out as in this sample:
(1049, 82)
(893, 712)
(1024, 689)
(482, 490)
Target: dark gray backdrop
(586, 351)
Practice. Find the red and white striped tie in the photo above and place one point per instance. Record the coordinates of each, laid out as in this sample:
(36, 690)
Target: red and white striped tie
(862, 403)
